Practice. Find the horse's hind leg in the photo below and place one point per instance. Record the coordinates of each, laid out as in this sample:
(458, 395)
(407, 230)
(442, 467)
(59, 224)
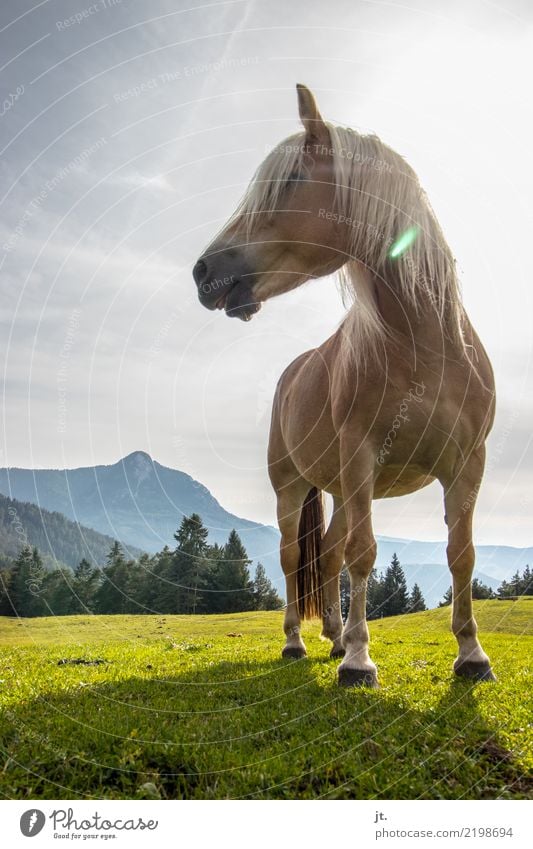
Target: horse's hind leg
(290, 499)
(460, 498)
(331, 561)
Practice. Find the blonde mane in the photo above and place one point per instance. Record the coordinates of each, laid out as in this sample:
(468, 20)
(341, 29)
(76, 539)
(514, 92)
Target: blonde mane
(381, 199)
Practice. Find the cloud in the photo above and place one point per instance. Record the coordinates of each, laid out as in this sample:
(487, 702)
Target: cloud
(188, 102)
(159, 183)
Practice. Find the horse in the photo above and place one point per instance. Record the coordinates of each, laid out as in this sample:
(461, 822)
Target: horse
(401, 395)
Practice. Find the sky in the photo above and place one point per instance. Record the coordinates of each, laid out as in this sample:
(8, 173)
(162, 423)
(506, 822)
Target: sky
(128, 132)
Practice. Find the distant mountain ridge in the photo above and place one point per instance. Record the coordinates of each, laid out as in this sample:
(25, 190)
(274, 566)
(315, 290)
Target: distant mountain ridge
(141, 502)
(496, 561)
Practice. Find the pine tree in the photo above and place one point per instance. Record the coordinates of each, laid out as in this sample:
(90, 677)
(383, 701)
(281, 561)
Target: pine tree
(480, 590)
(58, 592)
(36, 582)
(18, 597)
(231, 578)
(142, 585)
(84, 586)
(190, 566)
(116, 555)
(265, 596)
(503, 590)
(374, 596)
(26, 584)
(394, 588)
(159, 590)
(416, 601)
(191, 536)
(519, 585)
(447, 598)
(515, 583)
(211, 599)
(527, 582)
(111, 596)
(5, 605)
(344, 587)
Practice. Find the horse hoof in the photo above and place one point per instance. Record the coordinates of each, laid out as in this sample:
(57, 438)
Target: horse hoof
(474, 670)
(293, 652)
(357, 678)
(334, 653)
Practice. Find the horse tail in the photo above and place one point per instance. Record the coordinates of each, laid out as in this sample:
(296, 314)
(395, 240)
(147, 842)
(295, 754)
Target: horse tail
(310, 533)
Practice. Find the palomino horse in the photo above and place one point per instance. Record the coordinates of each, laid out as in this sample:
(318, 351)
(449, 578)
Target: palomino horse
(401, 395)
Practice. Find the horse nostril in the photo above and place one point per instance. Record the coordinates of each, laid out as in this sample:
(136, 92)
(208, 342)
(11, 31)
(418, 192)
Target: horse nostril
(199, 271)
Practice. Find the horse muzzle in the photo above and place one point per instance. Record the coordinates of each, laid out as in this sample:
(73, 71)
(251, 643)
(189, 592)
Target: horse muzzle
(225, 292)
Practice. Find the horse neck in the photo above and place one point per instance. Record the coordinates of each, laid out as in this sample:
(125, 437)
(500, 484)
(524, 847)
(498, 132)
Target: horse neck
(421, 327)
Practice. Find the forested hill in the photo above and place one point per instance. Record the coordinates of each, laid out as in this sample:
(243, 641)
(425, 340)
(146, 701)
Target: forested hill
(56, 537)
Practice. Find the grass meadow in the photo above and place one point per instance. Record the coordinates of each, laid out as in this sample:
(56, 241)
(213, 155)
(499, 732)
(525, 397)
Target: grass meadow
(203, 707)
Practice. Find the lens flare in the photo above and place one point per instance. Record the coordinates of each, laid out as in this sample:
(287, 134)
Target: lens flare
(403, 242)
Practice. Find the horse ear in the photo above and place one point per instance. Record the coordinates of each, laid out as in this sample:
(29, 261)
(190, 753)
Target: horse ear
(315, 128)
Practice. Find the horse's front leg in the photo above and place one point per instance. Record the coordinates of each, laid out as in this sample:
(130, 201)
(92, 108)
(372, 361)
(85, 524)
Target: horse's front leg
(331, 562)
(360, 554)
(460, 497)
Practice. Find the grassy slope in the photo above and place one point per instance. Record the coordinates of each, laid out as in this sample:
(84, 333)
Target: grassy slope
(194, 713)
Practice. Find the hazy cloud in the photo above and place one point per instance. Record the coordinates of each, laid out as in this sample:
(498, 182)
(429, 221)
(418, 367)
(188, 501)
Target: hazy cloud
(134, 132)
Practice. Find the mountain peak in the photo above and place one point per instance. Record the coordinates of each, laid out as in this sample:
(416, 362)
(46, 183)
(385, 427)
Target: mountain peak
(136, 457)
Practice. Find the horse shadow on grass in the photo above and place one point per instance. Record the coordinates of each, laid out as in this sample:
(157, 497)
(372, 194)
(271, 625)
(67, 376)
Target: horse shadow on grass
(274, 729)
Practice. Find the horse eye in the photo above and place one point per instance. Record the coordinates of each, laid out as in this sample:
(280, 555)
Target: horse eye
(293, 177)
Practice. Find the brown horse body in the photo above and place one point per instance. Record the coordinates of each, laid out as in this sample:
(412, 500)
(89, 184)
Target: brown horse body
(360, 419)
(328, 431)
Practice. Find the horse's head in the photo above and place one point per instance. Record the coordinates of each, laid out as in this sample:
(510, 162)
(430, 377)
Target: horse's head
(285, 231)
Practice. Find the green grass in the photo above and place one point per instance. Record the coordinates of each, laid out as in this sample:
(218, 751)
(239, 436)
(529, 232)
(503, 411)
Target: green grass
(179, 709)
